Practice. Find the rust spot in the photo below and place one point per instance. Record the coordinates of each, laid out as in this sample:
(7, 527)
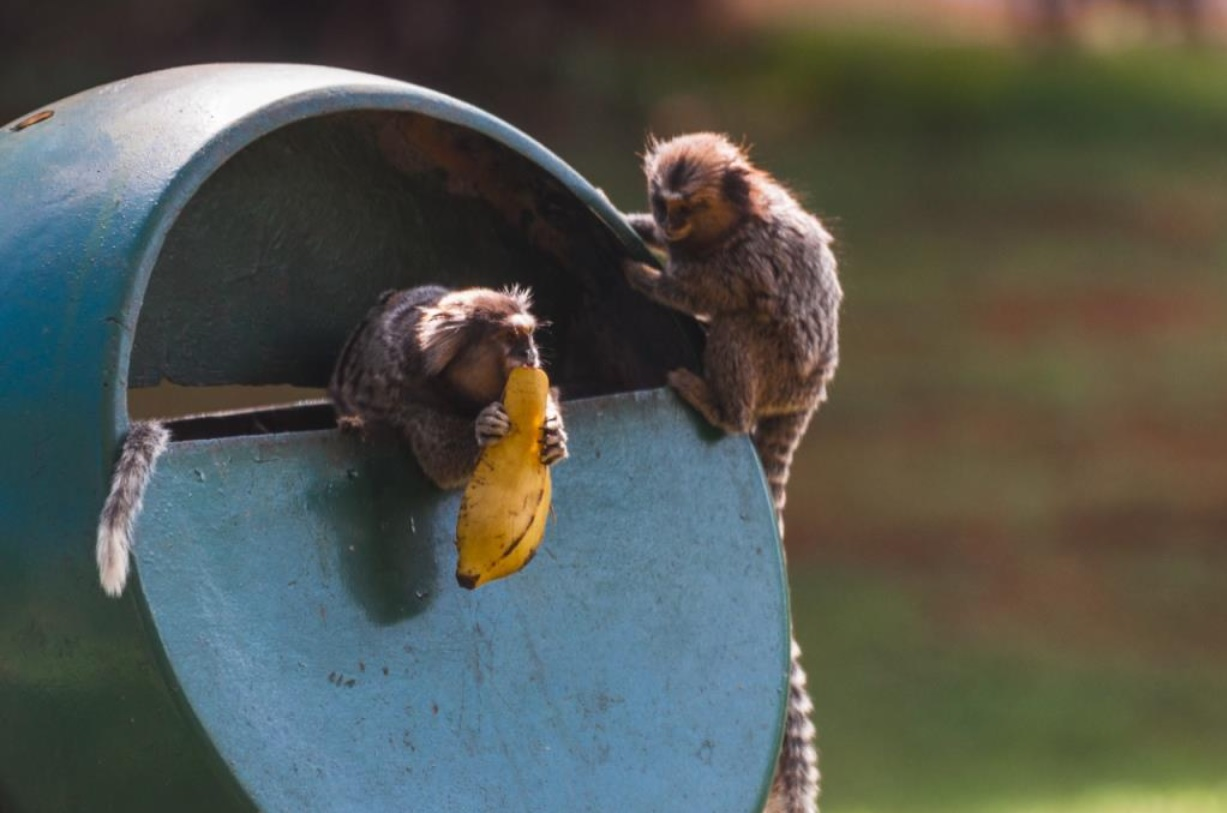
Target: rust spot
(473, 166)
(31, 120)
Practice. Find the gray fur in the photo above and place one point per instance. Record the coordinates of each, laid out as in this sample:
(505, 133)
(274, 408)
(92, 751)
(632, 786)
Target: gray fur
(145, 443)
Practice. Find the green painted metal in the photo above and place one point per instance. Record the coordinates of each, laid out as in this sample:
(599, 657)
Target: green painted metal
(227, 224)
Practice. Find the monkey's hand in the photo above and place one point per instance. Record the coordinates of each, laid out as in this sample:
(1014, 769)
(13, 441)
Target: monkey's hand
(553, 436)
(648, 230)
(492, 424)
(642, 278)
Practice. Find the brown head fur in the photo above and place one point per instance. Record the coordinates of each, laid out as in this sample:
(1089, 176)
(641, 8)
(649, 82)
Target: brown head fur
(473, 338)
(701, 186)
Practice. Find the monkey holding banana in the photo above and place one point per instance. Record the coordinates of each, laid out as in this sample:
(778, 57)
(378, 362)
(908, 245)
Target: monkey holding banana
(429, 362)
(432, 363)
(747, 260)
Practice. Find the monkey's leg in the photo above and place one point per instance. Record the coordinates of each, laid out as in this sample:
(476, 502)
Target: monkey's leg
(725, 394)
(445, 445)
(694, 391)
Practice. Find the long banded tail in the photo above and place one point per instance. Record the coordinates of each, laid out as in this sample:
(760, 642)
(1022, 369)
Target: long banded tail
(795, 787)
(144, 445)
(776, 439)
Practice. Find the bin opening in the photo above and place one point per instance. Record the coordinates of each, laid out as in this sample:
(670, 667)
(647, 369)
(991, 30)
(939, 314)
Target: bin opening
(286, 246)
(307, 416)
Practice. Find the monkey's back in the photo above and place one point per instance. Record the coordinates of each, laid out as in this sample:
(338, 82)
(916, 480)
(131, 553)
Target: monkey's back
(791, 323)
(374, 370)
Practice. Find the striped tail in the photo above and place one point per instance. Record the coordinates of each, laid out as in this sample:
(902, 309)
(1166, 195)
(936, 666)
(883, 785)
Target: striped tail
(776, 439)
(795, 787)
(145, 443)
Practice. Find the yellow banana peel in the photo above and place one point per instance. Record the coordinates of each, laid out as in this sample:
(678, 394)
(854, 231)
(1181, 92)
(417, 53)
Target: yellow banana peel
(507, 500)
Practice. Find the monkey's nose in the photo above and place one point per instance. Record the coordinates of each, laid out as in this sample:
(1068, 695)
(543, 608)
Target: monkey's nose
(527, 358)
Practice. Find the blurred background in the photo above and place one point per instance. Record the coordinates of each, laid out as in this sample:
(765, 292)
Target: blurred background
(1006, 527)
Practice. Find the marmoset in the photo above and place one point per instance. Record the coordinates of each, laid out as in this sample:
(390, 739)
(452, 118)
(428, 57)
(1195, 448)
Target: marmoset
(429, 362)
(746, 259)
(432, 363)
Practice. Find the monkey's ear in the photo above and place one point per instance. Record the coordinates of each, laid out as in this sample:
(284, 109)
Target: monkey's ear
(441, 337)
(735, 186)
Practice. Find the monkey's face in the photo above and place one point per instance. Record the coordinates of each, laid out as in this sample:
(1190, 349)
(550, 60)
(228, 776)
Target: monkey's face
(479, 371)
(698, 187)
(475, 337)
(698, 218)
(674, 213)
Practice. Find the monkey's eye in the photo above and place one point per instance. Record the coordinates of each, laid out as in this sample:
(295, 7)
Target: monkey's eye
(658, 207)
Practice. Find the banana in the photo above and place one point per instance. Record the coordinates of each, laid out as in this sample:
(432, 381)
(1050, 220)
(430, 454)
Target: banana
(507, 500)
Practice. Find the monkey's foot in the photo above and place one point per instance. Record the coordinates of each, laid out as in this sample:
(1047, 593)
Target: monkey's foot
(492, 424)
(694, 391)
(553, 439)
(352, 425)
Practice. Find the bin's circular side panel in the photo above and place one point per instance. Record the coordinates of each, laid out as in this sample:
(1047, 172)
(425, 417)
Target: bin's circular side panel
(303, 588)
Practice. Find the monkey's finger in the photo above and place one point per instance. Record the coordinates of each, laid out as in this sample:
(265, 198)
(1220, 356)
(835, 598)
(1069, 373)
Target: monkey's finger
(553, 441)
(492, 424)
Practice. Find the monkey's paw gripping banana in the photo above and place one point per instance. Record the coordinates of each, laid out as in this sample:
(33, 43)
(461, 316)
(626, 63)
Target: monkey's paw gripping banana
(505, 505)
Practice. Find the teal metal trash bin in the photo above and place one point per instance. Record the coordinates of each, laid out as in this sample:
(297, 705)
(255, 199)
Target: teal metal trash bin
(293, 639)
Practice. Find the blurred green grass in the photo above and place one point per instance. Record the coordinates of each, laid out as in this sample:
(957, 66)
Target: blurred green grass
(1006, 527)
(913, 719)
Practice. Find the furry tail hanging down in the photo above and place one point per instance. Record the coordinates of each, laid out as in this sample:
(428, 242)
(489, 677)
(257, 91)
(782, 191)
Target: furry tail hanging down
(795, 787)
(776, 439)
(145, 443)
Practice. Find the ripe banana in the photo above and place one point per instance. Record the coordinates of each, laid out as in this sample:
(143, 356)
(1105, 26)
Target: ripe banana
(505, 505)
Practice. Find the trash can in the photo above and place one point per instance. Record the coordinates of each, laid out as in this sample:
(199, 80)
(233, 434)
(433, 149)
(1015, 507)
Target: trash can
(292, 638)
